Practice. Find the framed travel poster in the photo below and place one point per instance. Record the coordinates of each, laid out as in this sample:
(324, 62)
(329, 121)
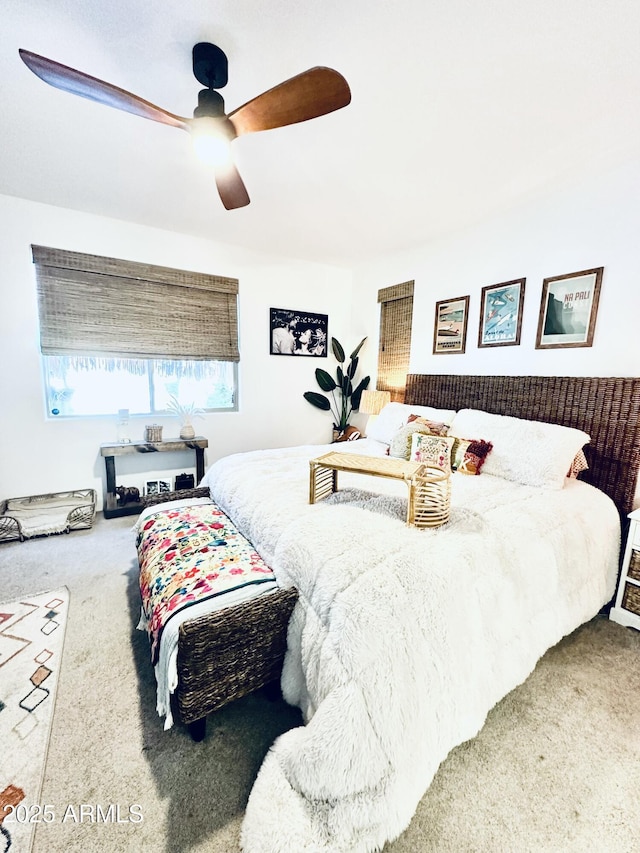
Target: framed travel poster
(501, 314)
(568, 309)
(450, 327)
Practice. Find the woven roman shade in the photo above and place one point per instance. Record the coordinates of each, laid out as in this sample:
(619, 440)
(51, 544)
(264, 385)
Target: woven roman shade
(396, 313)
(95, 306)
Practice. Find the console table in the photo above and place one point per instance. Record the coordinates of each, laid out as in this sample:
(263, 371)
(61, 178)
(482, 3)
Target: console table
(111, 508)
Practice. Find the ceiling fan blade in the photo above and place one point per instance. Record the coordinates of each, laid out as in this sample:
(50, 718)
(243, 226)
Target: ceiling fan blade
(231, 187)
(79, 83)
(313, 93)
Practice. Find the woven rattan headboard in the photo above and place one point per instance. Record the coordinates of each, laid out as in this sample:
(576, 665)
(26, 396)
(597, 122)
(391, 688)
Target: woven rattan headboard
(606, 408)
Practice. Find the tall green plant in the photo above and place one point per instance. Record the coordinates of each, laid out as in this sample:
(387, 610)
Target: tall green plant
(345, 396)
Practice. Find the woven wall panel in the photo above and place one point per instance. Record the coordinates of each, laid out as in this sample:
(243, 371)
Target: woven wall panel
(394, 348)
(608, 409)
(133, 310)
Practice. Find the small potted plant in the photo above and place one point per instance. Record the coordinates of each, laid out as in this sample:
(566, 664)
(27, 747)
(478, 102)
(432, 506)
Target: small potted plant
(186, 412)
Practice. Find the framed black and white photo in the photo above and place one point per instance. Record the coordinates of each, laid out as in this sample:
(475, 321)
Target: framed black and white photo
(298, 332)
(450, 327)
(568, 309)
(501, 314)
(157, 487)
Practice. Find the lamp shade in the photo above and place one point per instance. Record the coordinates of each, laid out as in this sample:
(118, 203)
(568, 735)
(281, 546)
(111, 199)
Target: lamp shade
(372, 402)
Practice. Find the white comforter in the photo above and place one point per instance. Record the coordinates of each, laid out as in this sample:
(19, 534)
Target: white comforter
(402, 639)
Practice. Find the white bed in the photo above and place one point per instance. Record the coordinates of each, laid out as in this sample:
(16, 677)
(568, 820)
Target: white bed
(402, 640)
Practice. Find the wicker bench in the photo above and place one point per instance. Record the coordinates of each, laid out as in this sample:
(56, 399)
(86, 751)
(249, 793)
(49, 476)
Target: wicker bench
(230, 652)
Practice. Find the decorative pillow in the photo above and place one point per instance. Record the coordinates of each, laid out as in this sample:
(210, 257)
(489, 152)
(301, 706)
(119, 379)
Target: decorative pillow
(395, 415)
(579, 464)
(468, 455)
(433, 450)
(534, 453)
(400, 446)
(433, 427)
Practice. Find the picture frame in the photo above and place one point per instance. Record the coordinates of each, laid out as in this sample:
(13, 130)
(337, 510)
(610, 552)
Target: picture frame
(501, 307)
(568, 309)
(450, 326)
(294, 332)
(157, 487)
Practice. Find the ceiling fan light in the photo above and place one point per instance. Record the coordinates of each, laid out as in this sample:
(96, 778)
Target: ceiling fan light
(211, 144)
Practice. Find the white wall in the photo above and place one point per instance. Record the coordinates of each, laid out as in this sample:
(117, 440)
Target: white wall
(39, 455)
(592, 225)
(596, 224)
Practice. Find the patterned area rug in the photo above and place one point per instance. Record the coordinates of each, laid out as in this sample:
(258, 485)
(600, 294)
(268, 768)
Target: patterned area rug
(31, 641)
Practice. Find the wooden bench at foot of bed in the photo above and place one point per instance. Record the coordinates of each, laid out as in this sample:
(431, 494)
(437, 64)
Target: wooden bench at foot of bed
(230, 652)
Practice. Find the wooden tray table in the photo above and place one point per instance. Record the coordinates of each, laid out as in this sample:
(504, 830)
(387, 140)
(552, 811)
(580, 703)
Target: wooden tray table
(429, 488)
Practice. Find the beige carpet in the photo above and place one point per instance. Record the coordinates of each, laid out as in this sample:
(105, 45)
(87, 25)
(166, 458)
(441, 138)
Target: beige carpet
(555, 769)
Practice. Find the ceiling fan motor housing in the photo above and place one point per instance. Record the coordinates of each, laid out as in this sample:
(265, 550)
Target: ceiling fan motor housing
(210, 103)
(210, 65)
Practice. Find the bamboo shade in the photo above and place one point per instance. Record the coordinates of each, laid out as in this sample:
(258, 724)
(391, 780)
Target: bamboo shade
(396, 313)
(98, 306)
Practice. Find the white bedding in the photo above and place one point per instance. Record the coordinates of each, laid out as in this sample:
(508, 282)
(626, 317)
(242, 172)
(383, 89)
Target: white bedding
(402, 639)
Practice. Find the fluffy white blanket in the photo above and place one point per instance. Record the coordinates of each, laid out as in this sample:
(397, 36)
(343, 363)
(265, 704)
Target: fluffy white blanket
(402, 639)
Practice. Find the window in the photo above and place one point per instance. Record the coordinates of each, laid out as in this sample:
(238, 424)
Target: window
(117, 334)
(80, 385)
(396, 314)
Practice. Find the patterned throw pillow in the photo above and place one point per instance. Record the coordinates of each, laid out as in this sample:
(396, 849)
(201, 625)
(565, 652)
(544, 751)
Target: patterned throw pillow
(432, 427)
(400, 446)
(579, 464)
(468, 455)
(433, 450)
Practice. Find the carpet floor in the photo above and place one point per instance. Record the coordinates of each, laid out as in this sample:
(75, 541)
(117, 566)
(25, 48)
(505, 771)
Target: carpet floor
(556, 768)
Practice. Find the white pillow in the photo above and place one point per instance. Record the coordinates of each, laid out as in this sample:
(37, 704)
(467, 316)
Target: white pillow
(534, 453)
(394, 415)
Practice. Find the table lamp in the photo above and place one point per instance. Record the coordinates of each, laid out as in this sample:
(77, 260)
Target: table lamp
(373, 402)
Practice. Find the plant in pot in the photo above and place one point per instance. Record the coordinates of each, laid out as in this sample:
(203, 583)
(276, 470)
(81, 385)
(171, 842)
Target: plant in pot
(345, 394)
(186, 412)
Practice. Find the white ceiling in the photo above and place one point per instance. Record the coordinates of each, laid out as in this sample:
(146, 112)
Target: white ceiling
(459, 109)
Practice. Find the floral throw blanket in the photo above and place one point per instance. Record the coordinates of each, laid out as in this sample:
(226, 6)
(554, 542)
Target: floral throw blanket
(187, 555)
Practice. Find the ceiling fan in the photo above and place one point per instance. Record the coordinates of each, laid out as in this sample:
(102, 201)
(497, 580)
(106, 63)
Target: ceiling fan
(308, 95)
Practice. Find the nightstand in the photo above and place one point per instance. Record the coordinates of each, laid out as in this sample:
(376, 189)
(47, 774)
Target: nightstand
(627, 607)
